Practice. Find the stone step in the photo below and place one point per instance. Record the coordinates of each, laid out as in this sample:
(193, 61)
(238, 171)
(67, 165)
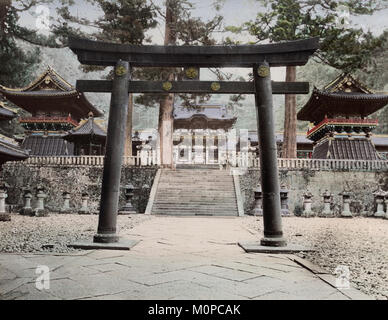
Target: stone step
(194, 199)
(198, 198)
(193, 205)
(217, 193)
(180, 213)
(195, 191)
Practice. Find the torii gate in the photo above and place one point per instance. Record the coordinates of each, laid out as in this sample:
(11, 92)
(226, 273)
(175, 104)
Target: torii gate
(257, 57)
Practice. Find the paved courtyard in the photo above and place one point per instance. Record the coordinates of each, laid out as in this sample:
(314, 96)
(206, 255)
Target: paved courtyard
(177, 258)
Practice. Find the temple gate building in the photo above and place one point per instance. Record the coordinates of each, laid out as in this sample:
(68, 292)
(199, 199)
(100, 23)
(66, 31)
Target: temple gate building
(339, 113)
(200, 133)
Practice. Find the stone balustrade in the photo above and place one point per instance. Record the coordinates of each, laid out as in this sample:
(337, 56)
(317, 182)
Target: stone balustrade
(240, 160)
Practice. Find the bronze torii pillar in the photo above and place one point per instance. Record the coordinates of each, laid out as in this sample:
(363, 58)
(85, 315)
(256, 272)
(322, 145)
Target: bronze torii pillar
(107, 237)
(273, 234)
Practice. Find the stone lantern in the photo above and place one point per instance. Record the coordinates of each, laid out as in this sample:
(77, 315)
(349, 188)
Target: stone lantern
(4, 216)
(258, 208)
(84, 207)
(346, 204)
(128, 193)
(327, 201)
(27, 209)
(307, 201)
(284, 201)
(379, 199)
(66, 202)
(39, 210)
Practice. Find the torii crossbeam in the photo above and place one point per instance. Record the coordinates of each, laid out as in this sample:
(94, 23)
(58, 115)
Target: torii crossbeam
(257, 57)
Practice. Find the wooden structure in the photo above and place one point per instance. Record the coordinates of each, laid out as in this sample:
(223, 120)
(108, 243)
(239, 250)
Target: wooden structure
(56, 107)
(10, 151)
(88, 138)
(341, 129)
(257, 57)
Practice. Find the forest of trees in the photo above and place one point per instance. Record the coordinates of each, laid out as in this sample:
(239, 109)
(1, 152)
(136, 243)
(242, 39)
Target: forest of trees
(343, 48)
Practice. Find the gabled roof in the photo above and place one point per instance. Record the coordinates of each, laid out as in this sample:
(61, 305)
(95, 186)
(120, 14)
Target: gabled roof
(345, 82)
(343, 148)
(87, 128)
(345, 96)
(39, 145)
(50, 85)
(203, 116)
(10, 150)
(6, 114)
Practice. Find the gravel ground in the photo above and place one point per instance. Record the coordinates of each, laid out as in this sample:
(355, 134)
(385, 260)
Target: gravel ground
(53, 233)
(360, 243)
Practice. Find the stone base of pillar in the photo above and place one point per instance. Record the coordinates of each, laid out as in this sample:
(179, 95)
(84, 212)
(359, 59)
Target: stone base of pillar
(379, 214)
(273, 242)
(346, 214)
(257, 247)
(5, 216)
(386, 216)
(27, 212)
(40, 213)
(106, 238)
(123, 244)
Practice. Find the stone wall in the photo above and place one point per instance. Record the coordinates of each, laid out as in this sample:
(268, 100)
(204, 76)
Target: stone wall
(76, 180)
(361, 184)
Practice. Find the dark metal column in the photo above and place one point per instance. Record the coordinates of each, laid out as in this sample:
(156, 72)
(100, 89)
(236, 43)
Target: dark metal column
(273, 234)
(106, 232)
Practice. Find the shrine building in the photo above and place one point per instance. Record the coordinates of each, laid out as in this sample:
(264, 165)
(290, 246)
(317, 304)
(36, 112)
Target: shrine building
(340, 116)
(56, 108)
(200, 133)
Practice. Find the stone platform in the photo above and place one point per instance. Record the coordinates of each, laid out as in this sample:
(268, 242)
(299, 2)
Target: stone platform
(176, 258)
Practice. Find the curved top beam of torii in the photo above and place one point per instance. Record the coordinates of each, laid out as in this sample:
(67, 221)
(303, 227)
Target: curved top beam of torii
(291, 53)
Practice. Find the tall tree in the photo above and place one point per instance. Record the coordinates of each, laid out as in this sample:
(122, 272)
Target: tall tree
(183, 29)
(342, 46)
(122, 21)
(17, 64)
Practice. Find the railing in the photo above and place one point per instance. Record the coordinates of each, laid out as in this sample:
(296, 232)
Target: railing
(141, 159)
(241, 160)
(247, 160)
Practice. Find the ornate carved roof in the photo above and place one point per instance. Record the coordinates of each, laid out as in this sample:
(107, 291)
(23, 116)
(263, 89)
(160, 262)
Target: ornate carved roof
(203, 116)
(88, 128)
(47, 88)
(10, 150)
(345, 96)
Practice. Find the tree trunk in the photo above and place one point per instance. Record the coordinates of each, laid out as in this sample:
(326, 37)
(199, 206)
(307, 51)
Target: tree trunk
(289, 137)
(128, 129)
(166, 118)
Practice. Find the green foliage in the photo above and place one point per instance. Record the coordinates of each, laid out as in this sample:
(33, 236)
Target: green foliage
(17, 66)
(342, 46)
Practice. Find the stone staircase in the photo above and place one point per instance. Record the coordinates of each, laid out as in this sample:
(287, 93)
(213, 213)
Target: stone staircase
(195, 192)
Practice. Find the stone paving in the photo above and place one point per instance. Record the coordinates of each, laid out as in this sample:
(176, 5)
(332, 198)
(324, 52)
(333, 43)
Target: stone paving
(177, 258)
